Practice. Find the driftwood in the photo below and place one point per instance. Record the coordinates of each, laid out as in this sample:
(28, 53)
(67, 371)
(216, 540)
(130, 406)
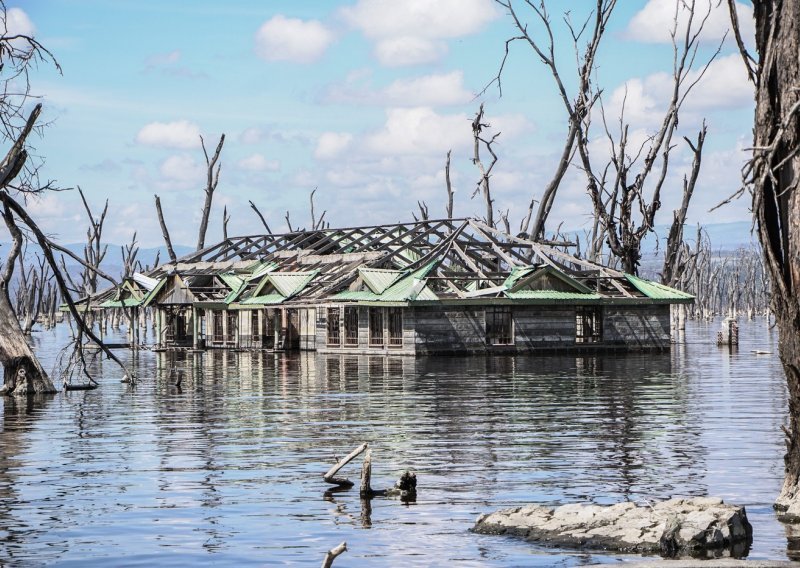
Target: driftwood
(68, 387)
(331, 555)
(329, 476)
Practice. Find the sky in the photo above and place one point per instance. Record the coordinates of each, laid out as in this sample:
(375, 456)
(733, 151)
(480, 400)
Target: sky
(358, 99)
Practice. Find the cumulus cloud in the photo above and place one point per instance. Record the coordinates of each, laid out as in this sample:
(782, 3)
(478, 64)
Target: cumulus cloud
(404, 51)
(438, 89)
(653, 23)
(420, 130)
(724, 85)
(291, 39)
(331, 144)
(429, 90)
(18, 22)
(258, 163)
(411, 32)
(182, 170)
(178, 134)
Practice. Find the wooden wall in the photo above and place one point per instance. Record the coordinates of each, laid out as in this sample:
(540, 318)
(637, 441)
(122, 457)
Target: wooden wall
(637, 326)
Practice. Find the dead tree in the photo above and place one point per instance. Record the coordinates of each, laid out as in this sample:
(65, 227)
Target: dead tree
(674, 262)
(448, 186)
(483, 183)
(772, 174)
(212, 179)
(260, 216)
(165, 231)
(577, 106)
(626, 191)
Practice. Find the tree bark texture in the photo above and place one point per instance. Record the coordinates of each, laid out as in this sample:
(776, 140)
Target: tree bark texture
(22, 372)
(776, 201)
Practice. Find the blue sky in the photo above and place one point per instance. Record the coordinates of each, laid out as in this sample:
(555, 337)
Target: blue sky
(359, 98)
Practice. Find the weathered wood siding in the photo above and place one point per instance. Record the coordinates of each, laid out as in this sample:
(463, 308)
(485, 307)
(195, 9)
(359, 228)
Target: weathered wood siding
(636, 326)
(543, 327)
(450, 329)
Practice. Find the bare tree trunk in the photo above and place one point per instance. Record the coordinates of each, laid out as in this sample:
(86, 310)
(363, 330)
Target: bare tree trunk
(165, 231)
(776, 202)
(212, 179)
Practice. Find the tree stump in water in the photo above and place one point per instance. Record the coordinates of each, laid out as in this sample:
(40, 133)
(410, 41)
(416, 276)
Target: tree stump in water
(23, 375)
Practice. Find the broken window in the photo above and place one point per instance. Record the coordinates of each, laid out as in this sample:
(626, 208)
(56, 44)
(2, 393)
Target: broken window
(351, 326)
(376, 327)
(499, 326)
(395, 327)
(588, 324)
(334, 334)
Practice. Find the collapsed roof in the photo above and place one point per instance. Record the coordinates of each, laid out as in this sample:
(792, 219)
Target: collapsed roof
(430, 261)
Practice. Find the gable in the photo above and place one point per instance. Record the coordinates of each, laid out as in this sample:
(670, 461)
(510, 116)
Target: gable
(547, 278)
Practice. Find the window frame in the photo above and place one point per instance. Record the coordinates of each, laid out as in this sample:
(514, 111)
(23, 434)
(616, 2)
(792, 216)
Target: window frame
(333, 315)
(591, 317)
(502, 318)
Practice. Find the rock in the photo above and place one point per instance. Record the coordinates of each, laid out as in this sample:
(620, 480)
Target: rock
(671, 528)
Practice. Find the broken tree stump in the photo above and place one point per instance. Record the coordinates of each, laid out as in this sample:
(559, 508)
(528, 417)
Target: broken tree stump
(366, 476)
(340, 481)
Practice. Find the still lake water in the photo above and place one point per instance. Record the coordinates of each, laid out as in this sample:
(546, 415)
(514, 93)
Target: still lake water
(226, 469)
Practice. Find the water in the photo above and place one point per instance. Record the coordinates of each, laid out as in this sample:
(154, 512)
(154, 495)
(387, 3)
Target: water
(227, 467)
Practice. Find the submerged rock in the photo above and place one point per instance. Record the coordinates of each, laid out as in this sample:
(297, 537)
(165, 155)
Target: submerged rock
(671, 528)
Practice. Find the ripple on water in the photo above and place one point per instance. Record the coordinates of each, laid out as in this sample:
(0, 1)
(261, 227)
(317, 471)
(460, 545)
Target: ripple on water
(227, 468)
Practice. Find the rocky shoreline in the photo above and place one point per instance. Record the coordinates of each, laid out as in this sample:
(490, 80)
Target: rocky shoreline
(692, 526)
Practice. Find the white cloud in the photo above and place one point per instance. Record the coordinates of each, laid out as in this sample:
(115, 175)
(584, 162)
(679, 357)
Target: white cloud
(420, 131)
(410, 32)
(178, 134)
(258, 163)
(331, 144)
(18, 22)
(724, 85)
(182, 169)
(409, 50)
(291, 39)
(653, 23)
(428, 90)
(252, 135)
(437, 89)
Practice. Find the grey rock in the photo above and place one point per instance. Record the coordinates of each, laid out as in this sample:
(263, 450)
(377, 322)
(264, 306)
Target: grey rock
(675, 527)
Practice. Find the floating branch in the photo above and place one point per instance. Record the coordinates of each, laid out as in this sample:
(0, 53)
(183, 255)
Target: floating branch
(331, 555)
(329, 476)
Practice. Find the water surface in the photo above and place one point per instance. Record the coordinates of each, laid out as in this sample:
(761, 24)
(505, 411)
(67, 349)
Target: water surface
(226, 467)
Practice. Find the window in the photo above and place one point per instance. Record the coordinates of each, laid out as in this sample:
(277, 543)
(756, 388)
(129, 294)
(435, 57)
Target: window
(254, 326)
(233, 318)
(376, 327)
(217, 327)
(499, 326)
(588, 324)
(334, 334)
(351, 326)
(395, 327)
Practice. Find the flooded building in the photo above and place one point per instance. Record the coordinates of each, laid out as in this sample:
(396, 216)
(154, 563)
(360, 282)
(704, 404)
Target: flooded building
(434, 286)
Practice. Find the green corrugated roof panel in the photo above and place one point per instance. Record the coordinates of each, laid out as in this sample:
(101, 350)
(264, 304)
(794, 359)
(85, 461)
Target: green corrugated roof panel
(259, 269)
(550, 295)
(657, 291)
(361, 295)
(516, 273)
(152, 294)
(231, 280)
(126, 303)
(379, 279)
(264, 300)
(290, 283)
